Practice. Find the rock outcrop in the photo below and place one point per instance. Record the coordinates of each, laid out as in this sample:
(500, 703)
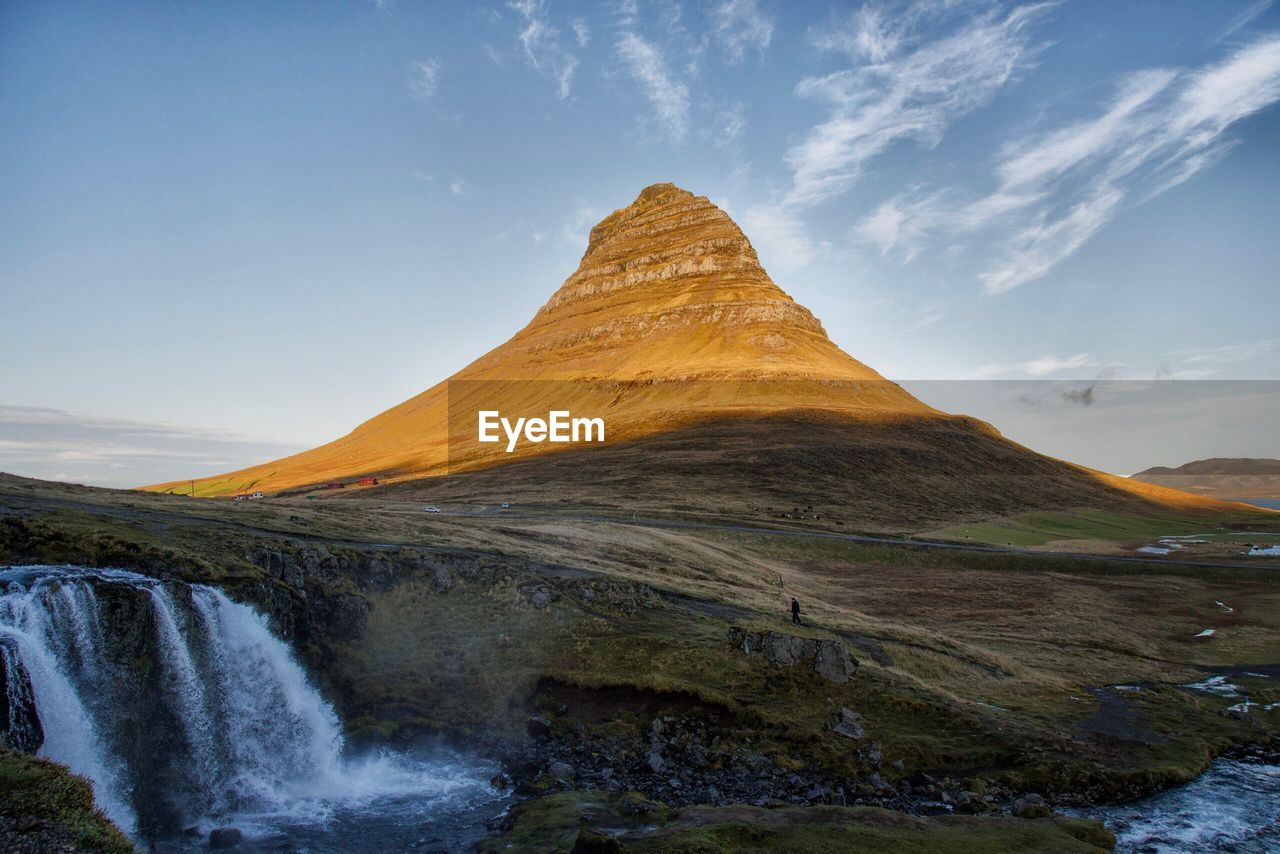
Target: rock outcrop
(827, 657)
(20, 727)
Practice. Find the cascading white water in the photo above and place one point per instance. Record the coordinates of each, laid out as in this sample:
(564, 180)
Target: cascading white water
(40, 645)
(232, 729)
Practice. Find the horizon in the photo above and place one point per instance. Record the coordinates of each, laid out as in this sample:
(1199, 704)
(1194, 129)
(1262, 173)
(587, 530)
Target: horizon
(291, 244)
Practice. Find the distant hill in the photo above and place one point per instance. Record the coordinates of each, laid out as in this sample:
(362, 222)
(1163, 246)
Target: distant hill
(1220, 477)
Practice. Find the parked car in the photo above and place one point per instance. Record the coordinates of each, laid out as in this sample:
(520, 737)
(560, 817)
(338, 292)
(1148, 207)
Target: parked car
(430, 509)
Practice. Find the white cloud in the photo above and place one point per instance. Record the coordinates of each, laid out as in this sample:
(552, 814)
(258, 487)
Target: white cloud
(1245, 18)
(668, 97)
(424, 79)
(425, 177)
(1046, 242)
(739, 25)
(458, 187)
(1041, 367)
(913, 92)
(541, 44)
(576, 227)
(901, 224)
(40, 442)
(581, 32)
(732, 122)
(783, 240)
(912, 71)
(1161, 127)
(926, 315)
(1228, 353)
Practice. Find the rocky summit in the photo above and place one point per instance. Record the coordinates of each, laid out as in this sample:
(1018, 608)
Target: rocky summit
(670, 288)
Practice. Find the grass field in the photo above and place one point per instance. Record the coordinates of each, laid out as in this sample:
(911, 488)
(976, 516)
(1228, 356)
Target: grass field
(990, 668)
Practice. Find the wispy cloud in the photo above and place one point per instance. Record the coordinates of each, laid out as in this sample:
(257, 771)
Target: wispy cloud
(913, 70)
(1228, 353)
(581, 32)
(739, 26)
(913, 91)
(424, 79)
(901, 224)
(459, 187)
(1057, 188)
(1041, 367)
(1245, 18)
(576, 227)
(667, 96)
(57, 445)
(1161, 128)
(541, 44)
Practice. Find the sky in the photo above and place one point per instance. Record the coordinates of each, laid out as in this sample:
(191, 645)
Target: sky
(232, 230)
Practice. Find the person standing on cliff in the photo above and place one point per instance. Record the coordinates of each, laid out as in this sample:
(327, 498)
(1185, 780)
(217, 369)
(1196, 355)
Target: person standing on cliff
(795, 612)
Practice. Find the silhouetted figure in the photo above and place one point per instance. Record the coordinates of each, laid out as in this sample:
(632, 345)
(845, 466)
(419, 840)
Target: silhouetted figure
(795, 612)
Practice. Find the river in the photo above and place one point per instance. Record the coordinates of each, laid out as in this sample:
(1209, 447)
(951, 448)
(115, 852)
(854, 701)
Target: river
(1234, 806)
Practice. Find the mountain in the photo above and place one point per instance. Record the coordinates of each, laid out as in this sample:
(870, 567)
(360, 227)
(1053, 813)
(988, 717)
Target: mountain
(1220, 477)
(1217, 466)
(702, 368)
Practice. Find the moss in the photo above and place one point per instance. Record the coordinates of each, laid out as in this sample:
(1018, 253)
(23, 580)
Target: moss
(37, 787)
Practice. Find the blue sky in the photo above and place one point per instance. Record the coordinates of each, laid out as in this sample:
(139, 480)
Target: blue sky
(275, 220)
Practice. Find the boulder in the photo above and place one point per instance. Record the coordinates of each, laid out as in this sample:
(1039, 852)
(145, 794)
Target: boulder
(783, 650)
(1031, 806)
(834, 662)
(20, 727)
(538, 727)
(850, 725)
(562, 771)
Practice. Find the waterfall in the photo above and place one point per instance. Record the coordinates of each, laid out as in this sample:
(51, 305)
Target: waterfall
(179, 704)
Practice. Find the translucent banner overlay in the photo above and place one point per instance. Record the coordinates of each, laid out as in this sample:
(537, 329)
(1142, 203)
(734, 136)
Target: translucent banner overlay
(1118, 426)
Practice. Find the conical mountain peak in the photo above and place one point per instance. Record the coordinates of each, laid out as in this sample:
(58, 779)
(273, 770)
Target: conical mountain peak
(670, 317)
